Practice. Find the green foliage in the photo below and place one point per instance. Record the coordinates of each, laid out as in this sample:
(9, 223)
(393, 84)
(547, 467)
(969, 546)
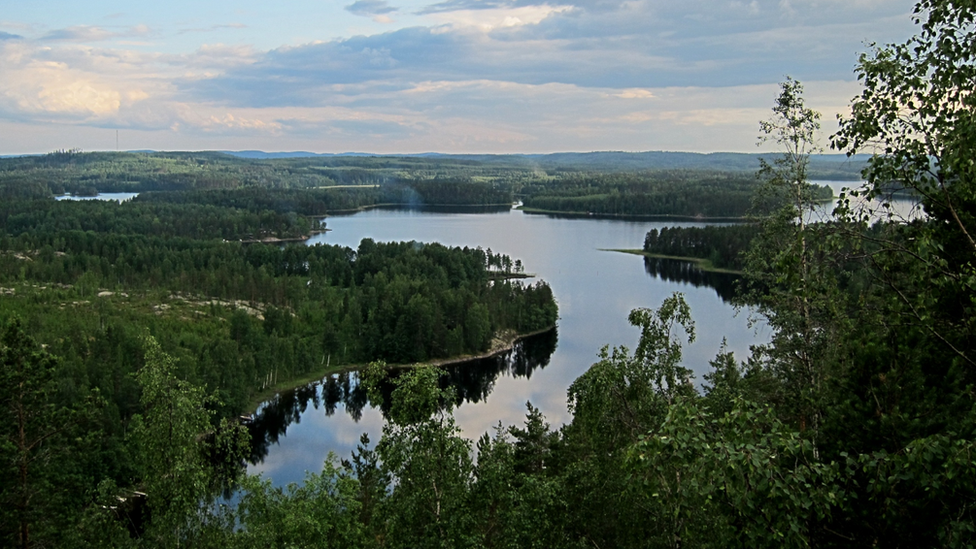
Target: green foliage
(234, 319)
(41, 432)
(171, 440)
(618, 400)
(32, 224)
(723, 246)
(742, 479)
(262, 314)
(622, 396)
(516, 497)
(428, 462)
(789, 270)
(679, 194)
(321, 512)
(438, 179)
(917, 112)
(854, 427)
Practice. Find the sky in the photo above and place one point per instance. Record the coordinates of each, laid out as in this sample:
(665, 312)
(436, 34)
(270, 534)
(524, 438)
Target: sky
(409, 76)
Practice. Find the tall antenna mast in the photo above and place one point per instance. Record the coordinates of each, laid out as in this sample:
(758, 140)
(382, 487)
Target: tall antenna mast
(116, 140)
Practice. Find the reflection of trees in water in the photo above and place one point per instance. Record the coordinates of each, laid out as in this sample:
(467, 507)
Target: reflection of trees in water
(472, 381)
(497, 208)
(675, 270)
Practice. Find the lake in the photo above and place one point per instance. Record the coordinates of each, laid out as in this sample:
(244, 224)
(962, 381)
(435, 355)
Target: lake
(595, 289)
(118, 197)
(900, 208)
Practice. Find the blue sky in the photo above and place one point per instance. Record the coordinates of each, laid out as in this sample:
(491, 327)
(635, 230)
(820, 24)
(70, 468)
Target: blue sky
(455, 76)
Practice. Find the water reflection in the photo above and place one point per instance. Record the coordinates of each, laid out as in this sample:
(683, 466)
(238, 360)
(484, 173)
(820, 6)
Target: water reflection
(666, 219)
(596, 290)
(472, 382)
(118, 197)
(675, 270)
(428, 209)
(893, 207)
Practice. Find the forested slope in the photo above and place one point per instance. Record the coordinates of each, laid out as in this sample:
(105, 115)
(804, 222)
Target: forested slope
(323, 185)
(90, 281)
(684, 194)
(854, 427)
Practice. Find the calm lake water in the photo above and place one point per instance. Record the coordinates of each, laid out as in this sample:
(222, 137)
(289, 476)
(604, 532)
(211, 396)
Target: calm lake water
(595, 289)
(899, 209)
(118, 197)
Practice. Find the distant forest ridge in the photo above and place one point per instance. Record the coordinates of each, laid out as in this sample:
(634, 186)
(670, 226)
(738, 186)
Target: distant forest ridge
(606, 184)
(822, 166)
(609, 160)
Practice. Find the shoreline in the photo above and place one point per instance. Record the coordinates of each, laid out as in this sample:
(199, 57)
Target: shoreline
(501, 343)
(405, 205)
(665, 217)
(278, 240)
(703, 264)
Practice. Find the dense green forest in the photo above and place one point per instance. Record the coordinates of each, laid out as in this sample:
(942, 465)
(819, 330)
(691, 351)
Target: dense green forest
(686, 194)
(93, 281)
(722, 246)
(400, 302)
(320, 202)
(854, 427)
(317, 186)
(822, 166)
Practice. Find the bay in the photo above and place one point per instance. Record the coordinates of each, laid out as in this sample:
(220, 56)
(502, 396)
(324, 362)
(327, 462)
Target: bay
(596, 289)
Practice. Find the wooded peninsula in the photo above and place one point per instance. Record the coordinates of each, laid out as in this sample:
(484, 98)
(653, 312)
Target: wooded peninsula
(134, 333)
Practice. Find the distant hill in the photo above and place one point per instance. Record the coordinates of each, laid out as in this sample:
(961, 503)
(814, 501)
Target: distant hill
(824, 166)
(666, 160)
(261, 155)
(837, 166)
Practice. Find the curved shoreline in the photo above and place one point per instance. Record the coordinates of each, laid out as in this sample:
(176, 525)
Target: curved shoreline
(501, 343)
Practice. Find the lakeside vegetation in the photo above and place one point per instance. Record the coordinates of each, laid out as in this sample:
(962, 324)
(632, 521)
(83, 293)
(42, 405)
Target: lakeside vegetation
(716, 248)
(318, 186)
(703, 264)
(90, 282)
(690, 194)
(854, 427)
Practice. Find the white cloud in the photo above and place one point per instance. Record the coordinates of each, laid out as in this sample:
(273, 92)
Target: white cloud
(230, 122)
(634, 93)
(496, 76)
(37, 86)
(217, 58)
(490, 19)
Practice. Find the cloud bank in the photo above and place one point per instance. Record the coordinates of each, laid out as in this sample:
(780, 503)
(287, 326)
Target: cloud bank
(476, 76)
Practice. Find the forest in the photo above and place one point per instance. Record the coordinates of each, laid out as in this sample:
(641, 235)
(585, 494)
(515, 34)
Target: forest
(721, 246)
(855, 426)
(681, 194)
(316, 186)
(93, 282)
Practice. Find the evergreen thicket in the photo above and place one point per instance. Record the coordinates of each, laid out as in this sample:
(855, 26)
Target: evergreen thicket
(688, 194)
(233, 316)
(854, 427)
(722, 246)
